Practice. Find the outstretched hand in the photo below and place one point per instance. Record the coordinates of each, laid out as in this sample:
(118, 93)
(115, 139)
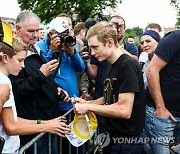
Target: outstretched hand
(58, 126)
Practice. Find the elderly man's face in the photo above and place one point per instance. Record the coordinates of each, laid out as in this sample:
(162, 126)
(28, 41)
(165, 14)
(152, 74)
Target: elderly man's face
(28, 33)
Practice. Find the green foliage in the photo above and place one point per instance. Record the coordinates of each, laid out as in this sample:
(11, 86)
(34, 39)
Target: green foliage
(48, 9)
(135, 31)
(176, 4)
(178, 22)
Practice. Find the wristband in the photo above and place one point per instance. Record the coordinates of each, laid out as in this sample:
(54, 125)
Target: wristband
(39, 121)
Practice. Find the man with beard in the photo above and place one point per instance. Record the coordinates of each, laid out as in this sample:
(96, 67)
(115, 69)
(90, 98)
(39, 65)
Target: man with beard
(121, 28)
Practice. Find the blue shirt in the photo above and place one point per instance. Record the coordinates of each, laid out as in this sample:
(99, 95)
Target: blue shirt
(66, 74)
(131, 48)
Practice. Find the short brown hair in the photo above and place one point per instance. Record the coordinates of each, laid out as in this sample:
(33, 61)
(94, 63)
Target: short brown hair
(6, 49)
(155, 26)
(78, 27)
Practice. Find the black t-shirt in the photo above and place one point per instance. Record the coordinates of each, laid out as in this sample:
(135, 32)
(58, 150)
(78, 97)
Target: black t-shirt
(101, 74)
(125, 76)
(168, 50)
(104, 66)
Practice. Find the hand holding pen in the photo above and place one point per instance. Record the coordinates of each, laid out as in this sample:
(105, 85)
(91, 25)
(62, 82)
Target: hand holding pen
(81, 107)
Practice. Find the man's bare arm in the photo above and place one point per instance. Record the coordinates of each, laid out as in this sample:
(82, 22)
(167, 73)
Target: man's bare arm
(153, 78)
(121, 109)
(91, 70)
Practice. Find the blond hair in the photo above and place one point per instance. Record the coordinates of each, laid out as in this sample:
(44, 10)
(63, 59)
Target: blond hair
(17, 46)
(103, 30)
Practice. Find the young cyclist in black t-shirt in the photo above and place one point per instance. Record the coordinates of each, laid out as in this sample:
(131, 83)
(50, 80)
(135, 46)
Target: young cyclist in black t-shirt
(122, 103)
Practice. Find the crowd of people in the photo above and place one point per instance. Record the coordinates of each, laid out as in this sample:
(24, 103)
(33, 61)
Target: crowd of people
(134, 93)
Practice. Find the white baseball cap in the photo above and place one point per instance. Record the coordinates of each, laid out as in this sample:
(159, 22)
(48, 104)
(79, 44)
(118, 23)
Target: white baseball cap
(59, 24)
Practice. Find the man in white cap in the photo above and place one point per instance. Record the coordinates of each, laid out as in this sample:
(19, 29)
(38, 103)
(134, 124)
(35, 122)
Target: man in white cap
(58, 44)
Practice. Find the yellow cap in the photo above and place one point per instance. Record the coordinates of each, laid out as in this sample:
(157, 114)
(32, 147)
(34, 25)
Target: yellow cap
(82, 128)
(8, 34)
(80, 125)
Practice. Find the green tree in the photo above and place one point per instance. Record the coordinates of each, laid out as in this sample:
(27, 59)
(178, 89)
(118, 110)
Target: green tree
(135, 31)
(48, 9)
(176, 4)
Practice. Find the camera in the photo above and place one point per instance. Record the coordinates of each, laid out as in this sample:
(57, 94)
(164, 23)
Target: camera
(116, 25)
(61, 96)
(67, 39)
(95, 19)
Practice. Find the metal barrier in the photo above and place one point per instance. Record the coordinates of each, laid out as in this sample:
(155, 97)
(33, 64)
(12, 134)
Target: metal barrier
(92, 146)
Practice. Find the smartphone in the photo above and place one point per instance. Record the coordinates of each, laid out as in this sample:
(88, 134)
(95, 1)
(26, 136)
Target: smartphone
(56, 55)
